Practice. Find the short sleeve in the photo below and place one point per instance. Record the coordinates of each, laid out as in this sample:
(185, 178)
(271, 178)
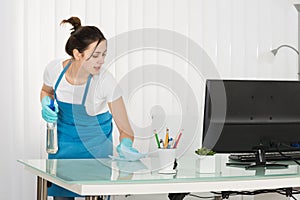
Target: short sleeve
(47, 78)
(110, 88)
(51, 72)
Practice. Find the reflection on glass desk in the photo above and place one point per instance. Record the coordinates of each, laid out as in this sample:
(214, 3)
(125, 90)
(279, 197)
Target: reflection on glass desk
(106, 176)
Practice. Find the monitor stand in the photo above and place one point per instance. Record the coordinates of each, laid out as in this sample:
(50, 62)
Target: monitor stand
(260, 161)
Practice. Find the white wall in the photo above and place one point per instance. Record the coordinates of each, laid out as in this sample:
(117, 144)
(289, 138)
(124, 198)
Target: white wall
(235, 34)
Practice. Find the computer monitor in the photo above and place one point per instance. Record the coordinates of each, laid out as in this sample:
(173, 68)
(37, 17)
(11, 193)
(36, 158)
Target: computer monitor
(242, 116)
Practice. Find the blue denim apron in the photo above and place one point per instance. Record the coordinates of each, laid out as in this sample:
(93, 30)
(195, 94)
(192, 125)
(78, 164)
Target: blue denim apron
(80, 135)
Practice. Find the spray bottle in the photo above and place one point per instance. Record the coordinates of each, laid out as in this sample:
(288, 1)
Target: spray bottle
(51, 144)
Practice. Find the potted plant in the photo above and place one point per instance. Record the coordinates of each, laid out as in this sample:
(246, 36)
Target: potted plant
(206, 160)
(205, 152)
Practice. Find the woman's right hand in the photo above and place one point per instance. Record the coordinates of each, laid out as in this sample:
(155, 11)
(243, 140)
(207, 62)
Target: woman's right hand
(48, 114)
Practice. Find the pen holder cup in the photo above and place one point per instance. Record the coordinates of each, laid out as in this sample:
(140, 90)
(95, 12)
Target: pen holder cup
(166, 160)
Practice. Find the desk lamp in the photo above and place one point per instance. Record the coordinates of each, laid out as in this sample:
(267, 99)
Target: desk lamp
(275, 51)
(297, 6)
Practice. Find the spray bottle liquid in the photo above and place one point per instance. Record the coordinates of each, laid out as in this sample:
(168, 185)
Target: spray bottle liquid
(51, 143)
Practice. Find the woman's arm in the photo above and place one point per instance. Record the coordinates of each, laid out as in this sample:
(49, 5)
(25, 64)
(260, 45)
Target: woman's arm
(118, 110)
(46, 91)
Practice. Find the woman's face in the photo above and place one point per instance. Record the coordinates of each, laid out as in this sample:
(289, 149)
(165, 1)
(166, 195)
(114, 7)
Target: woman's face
(93, 57)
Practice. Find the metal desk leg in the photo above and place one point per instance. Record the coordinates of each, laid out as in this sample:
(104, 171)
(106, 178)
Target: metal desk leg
(45, 190)
(42, 191)
(39, 188)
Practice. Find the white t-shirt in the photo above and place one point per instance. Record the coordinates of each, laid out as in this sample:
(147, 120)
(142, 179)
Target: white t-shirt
(103, 88)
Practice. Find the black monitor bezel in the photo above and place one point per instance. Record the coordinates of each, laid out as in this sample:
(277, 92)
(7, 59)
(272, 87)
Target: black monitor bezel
(240, 145)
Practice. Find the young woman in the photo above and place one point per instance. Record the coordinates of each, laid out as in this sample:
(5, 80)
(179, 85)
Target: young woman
(87, 98)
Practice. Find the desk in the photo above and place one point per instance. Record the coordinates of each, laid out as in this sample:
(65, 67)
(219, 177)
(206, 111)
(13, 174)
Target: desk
(94, 177)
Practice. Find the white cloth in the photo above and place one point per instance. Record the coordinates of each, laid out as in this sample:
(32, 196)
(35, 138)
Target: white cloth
(103, 88)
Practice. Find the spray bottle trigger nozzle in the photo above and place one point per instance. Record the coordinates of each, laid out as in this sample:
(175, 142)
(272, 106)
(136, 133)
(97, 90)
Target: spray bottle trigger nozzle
(51, 106)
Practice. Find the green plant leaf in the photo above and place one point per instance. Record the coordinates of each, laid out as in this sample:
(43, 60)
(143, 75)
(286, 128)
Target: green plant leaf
(204, 151)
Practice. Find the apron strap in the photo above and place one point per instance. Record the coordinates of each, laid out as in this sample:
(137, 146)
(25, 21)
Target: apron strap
(86, 89)
(60, 77)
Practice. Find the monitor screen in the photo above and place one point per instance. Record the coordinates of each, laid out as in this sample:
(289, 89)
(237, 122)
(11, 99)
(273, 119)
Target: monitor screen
(241, 115)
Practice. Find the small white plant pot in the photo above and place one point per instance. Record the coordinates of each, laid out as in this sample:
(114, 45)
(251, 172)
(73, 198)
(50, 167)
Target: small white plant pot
(206, 164)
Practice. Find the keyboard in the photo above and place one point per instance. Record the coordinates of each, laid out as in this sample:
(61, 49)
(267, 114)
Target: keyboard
(270, 156)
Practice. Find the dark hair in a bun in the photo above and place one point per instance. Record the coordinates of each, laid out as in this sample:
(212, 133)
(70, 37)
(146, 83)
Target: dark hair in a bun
(74, 21)
(81, 36)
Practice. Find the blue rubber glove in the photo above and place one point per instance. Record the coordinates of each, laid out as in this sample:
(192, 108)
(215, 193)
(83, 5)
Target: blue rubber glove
(127, 152)
(47, 113)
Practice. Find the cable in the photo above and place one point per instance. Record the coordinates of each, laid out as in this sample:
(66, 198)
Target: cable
(293, 197)
(200, 197)
(282, 154)
(288, 192)
(296, 191)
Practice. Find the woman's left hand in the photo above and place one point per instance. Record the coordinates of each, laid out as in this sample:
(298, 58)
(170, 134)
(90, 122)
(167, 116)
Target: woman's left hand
(126, 151)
